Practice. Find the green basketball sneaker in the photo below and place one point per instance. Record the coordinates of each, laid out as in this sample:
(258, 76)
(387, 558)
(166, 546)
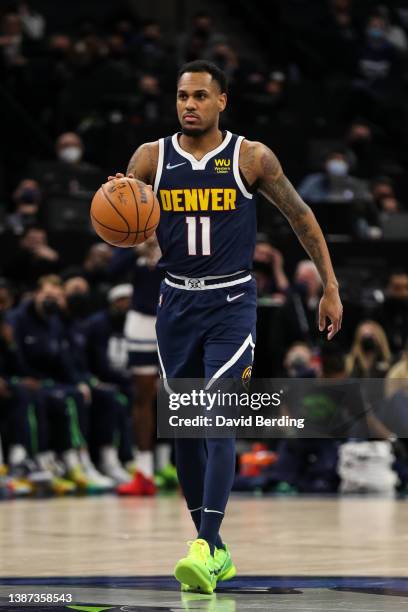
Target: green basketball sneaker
(224, 567)
(196, 572)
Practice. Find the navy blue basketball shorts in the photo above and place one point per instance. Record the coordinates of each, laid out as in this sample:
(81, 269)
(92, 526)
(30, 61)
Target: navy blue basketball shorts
(206, 328)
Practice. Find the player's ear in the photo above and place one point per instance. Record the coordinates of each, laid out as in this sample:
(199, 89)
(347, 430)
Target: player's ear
(222, 102)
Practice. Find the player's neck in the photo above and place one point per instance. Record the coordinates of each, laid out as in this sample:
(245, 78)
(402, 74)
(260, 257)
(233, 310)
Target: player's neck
(198, 146)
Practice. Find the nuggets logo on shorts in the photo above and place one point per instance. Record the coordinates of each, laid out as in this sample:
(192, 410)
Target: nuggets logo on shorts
(246, 376)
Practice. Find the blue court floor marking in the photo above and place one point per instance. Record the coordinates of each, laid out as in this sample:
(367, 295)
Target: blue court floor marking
(243, 582)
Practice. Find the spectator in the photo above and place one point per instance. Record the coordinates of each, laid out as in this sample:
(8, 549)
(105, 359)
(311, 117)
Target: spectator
(33, 258)
(108, 360)
(389, 205)
(32, 21)
(363, 149)
(95, 270)
(394, 34)
(393, 313)
(300, 361)
(106, 341)
(148, 49)
(298, 317)
(397, 378)
(108, 409)
(382, 187)
(339, 33)
(377, 60)
(11, 40)
(335, 183)
(200, 38)
(45, 357)
(69, 174)
(27, 200)
(269, 270)
(370, 355)
(149, 101)
(265, 97)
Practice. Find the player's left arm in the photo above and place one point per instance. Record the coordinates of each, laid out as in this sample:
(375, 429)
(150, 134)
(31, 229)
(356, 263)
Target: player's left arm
(259, 163)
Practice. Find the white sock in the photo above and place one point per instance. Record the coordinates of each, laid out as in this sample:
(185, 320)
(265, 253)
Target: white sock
(163, 454)
(144, 462)
(84, 457)
(17, 454)
(45, 459)
(70, 459)
(109, 456)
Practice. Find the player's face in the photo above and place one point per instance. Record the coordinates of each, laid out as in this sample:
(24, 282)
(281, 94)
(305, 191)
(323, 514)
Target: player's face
(199, 103)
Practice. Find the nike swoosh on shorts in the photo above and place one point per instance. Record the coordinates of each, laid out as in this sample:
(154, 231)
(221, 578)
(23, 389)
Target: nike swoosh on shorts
(234, 297)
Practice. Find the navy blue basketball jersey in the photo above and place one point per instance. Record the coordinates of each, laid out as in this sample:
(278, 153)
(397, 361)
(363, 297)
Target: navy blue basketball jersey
(208, 217)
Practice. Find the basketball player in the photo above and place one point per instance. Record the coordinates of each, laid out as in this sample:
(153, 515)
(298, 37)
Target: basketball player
(206, 182)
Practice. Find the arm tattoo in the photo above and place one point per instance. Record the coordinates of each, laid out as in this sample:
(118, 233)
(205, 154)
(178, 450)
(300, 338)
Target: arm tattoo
(278, 189)
(143, 163)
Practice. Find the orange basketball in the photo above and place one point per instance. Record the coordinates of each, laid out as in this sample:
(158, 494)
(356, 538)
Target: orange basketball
(125, 212)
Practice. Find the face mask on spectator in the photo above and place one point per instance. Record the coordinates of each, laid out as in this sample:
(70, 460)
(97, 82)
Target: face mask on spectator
(117, 317)
(78, 304)
(50, 307)
(29, 196)
(376, 33)
(368, 344)
(337, 167)
(70, 155)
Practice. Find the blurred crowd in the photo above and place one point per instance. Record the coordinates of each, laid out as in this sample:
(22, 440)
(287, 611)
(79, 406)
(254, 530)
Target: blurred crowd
(80, 99)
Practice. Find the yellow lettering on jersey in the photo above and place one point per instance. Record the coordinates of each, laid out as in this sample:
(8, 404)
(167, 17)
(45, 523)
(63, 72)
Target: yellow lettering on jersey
(200, 200)
(165, 197)
(176, 195)
(190, 196)
(216, 197)
(230, 196)
(203, 198)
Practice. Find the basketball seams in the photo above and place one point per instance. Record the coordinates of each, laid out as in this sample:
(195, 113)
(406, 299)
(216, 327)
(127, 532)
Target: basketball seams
(113, 229)
(136, 207)
(150, 213)
(114, 208)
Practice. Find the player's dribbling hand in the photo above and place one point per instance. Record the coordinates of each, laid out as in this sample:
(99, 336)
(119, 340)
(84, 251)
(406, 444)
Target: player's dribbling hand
(120, 175)
(331, 308)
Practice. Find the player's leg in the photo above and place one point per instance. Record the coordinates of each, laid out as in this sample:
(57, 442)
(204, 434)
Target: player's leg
(228, 354)
(180, 356)
(142, 360)
(106, 404)
(228, 351)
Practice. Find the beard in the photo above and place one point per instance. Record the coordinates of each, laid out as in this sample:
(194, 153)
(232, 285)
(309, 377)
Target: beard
(194, 132)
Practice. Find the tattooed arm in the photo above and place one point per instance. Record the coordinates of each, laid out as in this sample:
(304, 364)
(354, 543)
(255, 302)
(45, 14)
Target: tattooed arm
(258, 163)
(143, 163)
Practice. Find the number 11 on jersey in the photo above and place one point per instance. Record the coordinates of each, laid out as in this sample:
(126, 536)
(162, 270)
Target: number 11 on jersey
(192, 235)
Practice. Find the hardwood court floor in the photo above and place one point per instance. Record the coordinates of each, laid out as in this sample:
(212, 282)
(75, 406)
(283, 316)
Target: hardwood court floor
(110, 536)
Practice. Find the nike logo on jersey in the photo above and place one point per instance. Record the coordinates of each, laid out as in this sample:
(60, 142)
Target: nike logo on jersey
(234, 297)
(171, 167)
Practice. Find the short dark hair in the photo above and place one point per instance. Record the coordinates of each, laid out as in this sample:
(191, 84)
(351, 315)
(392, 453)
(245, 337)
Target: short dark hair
(204, 66)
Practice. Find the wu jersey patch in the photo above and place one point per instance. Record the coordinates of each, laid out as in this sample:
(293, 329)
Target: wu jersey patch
(222, 166)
